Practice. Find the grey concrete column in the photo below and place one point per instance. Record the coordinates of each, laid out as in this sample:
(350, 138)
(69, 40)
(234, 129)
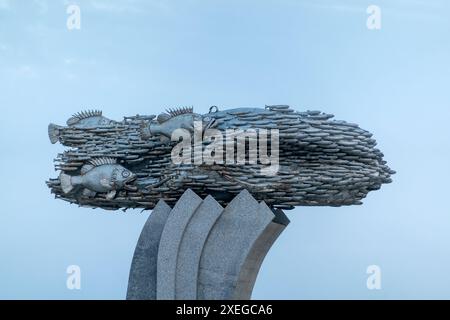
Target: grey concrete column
(250, 268)
(142, 279)
(191, 247)
(170, 242)
(229, 244)
(198, 250)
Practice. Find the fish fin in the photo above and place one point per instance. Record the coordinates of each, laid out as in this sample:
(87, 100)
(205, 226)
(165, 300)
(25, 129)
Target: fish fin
(179, 111)
(66, 182)
(110, 195)
(163, 117)
(77, 117)
(89, 193)
(172, 113)
(53, 132)
(96, 162)
(86, 168)
(72, 121)
(105, 183)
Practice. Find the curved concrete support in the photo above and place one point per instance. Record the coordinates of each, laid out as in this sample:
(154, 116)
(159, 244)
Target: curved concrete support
(170, 242)
(228, 245)
(198, 250)
(191, 247)
(142, 279)
(255, 258)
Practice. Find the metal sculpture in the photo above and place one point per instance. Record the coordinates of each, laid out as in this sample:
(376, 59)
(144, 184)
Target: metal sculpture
(129, 163)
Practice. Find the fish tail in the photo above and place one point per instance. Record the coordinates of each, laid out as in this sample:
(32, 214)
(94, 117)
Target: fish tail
(54, 132)
(66, 182)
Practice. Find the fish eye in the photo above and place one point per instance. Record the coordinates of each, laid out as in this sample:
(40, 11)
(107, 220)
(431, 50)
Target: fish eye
(125, 174)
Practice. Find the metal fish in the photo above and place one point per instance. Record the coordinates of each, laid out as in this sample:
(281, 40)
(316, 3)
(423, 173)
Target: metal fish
(99, 175)
(83, 119)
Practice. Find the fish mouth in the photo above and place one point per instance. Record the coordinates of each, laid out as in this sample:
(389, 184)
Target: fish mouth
(128, 187)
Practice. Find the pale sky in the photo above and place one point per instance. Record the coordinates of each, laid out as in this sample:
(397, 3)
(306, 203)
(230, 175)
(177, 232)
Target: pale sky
(140, 57)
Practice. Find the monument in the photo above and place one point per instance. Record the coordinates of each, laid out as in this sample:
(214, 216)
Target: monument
(214, 181)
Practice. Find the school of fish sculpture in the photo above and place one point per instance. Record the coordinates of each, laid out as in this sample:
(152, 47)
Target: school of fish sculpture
(129, 163)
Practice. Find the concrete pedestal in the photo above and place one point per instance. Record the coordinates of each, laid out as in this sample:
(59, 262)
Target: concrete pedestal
(199, 250)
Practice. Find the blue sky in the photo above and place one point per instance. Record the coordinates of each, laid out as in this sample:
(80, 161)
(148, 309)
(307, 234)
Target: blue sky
(140, 57)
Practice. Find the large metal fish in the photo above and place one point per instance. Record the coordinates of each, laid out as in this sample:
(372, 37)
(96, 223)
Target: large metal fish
(84, 119)
(99, 175)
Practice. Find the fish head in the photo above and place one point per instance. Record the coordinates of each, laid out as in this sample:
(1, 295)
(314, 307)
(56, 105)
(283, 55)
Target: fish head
(122, 177)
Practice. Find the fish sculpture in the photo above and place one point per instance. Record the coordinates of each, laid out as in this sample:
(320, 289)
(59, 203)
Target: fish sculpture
(99, 175)
(83, 119)
(129, 163)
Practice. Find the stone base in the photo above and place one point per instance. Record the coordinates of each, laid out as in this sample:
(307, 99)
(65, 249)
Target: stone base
(199, 250)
